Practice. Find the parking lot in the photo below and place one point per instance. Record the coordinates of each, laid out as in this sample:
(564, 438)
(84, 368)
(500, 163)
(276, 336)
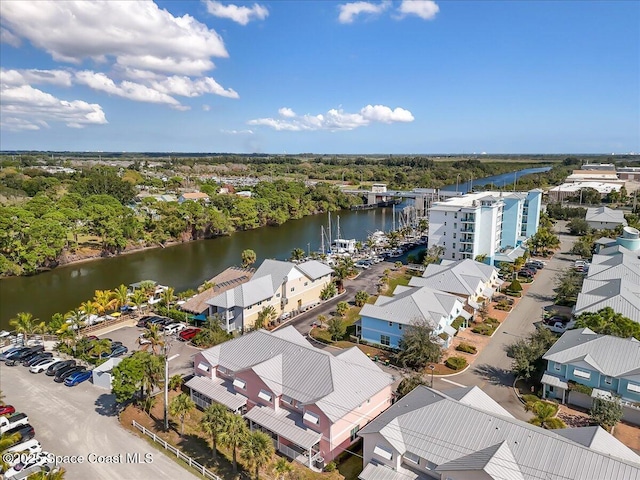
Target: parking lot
(81, 421)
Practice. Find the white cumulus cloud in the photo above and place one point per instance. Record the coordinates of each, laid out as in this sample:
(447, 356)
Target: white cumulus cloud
(349, 11)
(186, 87)
(237, 132)
(60, 78)
(334, 119)
(425, 9)
(136, 33)
(9, 38)
(239, 14)
(26, 108)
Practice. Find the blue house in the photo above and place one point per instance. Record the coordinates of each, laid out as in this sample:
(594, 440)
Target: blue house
(385, 321)
(609, 365)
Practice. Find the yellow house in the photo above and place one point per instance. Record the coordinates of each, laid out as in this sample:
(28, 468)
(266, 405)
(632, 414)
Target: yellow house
(286, 286)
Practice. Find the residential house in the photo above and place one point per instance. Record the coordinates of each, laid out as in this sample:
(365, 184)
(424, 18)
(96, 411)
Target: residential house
(193, 197)
(285, 286)
(387, 319)
(311, 402)
(483, 223)
(609, 365)
(600, 218)
(471, 280)
(463, 434)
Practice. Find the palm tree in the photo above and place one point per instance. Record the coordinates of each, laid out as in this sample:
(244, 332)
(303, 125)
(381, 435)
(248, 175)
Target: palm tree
(100, 347)
(167, 296)
(297, 255)
(89, 308)
(545, 415)
(6, 441)
(213, 423)
(148, 287)
(155, 338)
(180, 407)
(265, 316)
(234, 433)
(66, 334)
(54, 474)
(257, 450)
(25, 324)
(248, 258)
(152, 374)
(282, 468)
(104, 301)
(322, 319)
(76, 318)
(138, 298)
(342, 270)
(175, 382)
(121, 296)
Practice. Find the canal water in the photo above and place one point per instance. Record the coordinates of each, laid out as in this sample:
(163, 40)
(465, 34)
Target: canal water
(187, 265)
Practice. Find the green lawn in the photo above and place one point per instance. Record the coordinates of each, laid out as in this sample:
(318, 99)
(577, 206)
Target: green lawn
(399, 277)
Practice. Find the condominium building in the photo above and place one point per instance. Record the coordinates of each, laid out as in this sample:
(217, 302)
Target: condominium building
(483, 223)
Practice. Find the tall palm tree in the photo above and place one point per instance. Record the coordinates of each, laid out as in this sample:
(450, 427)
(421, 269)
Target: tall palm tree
(77, 317)
(152, 373)
(297, 254)
(121, 296)
(154, 336)
(54, 474)
(167, 296)
(282, 468)
(66, 334)
(234, 433)
(6, 441)
(266, 315)
(248, 258)
(89, 308)
(104, 301)
(138, 298)
(180, 407)
(25, 324)
(100, 347)
(213, 423)
(257, 449)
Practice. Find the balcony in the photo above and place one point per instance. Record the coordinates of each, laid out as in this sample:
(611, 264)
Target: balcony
(468, 219)
(465, 249)
(466, 240)
(468, 228)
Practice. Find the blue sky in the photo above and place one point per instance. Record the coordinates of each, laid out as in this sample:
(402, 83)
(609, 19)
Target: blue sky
(415, 76)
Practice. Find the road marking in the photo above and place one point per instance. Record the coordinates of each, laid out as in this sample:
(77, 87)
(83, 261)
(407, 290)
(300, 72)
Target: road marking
(452, 383)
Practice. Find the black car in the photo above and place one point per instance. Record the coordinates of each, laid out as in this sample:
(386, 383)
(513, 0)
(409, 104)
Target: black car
(64, 373)
(27, 362)
(26, 432)
(56, 367)
(14, 353)
(15, 359)
(143, 321)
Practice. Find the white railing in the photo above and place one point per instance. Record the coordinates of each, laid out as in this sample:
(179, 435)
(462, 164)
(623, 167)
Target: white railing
(187, 459)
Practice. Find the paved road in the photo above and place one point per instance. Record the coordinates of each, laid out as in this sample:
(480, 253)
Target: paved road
(490, 371)
(80, 421)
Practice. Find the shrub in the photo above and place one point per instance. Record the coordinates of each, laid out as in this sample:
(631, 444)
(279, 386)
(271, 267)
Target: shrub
(503, 305)
(529, 398)
(515, 287)
(578, 387)
(330, 467)
(483, 329)
(466, 348)
(457, 323)
(456, 363)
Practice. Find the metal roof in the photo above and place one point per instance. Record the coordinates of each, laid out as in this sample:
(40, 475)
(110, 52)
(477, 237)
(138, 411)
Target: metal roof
(376, 471)
(218, 390)
(605, 214)
(226, 280)
(554, 381)
(314, 269)
(309, 375)
(475, 396)
(597, 439)
(463, 277)
(441, 429)
(285, 423)
(609, 355)
(497, 461)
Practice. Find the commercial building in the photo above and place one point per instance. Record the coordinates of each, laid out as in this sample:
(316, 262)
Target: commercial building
(483, 223)
(572, 189)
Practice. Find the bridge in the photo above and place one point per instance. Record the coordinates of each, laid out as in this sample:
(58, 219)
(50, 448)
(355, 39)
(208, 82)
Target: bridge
(420, 198)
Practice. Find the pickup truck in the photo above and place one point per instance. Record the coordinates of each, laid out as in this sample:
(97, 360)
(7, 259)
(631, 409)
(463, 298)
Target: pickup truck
(15, 420)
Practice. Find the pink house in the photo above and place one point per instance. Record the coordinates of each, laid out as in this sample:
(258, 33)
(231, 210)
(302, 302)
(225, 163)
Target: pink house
(310, 402)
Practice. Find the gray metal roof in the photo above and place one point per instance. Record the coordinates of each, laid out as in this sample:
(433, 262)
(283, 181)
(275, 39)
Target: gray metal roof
(218, 390)
(336, 385)
(497, 461)
(229, 278)
(605, 214)
(441, 429)
(277, 270)
(597, 439)
(463, 277)
(609, 355)
(314, 269)
(285, 423)
(476, 396)
(413, 304)
(376, 471)
(620, 294)
(554, 381)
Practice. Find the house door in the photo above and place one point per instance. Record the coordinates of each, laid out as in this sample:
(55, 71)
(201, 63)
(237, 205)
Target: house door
(299, 304)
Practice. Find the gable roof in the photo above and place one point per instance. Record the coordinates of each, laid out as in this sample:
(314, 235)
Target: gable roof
(222, 282)
(609, 355)
(294, 368)
(463, 277)
(439, 428)
(598, 439)
(605, 214)
(411, 304)
(621, 294)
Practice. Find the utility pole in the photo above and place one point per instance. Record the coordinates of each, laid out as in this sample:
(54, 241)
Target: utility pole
(457, 182)
(167, 359)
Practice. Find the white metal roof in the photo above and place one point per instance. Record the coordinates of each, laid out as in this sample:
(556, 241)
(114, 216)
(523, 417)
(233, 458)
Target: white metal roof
(285, 423)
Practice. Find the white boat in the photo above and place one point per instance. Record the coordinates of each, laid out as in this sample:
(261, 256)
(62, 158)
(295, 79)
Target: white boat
(4, 333)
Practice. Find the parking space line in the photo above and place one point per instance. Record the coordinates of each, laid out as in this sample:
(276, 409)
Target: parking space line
(452, 382)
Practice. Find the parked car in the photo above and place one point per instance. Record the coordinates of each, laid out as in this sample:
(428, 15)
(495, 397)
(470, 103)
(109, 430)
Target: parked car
(188, 334)
(77, 377)
(20, 355)
(142, 340)
(143, 321)
(536, 264)
(56, 367)
(363, 265)
(25, 432)
(38, 461)
(13, 421)
(65, 372)
(7, 410)
(28, 447)
(525, 274)
(43, 364)
(33, 359)
(11, 351)
(174, 328)
(118, 351)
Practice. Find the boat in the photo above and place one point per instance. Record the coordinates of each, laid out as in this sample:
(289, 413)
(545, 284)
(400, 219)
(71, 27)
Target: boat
(4, 333)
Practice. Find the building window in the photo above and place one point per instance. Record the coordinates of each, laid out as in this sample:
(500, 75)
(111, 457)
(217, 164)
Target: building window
(582, 374)
(203, 366)
(453, 255)
(608, 380)
(277, 295)
(412, 457)
(293, 288)
(632, 387)
(286, 400)
(383, 452)
(391, 324)
(306, 283)
(239, 383)
(454, 234)
(264, 395)
(311, 418)
(455, 225)
(455, 215)
(354, 433)
(430, 465)
(399, 326)
(557, 367)
(454, 243)
(385, 340)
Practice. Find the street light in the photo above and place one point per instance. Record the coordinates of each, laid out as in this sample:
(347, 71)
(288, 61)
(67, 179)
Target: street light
(432, 368)
(167, 359)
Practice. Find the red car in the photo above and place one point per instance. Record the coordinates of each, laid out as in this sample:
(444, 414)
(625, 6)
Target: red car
(188, 334)
(7, 410)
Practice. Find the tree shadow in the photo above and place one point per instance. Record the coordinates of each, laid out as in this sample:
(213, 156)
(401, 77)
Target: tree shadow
(541, 297)
(106, 405)
(495, 375)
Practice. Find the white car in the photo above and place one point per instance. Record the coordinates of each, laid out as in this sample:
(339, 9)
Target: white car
(142, 340)
(43, 364)
(174, 328)
(30, 446)
(39, 460)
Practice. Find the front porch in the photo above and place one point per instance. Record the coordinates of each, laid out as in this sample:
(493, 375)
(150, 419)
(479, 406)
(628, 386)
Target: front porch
(290, 436)
(206, 390)
(554, 387)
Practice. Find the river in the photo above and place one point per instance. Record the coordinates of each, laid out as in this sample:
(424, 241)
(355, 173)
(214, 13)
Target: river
(186, 265)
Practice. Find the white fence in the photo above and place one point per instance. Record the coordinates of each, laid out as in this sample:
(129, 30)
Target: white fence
(187, 459)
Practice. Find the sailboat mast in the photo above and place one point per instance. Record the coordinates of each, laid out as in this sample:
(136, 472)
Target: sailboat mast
(329, 230)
